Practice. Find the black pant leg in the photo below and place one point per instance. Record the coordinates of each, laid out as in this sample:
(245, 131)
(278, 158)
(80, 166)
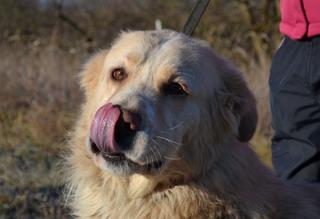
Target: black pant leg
(295, 112)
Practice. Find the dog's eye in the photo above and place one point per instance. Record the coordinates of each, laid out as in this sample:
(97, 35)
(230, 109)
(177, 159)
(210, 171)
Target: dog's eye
(174, 89)
(118, 74)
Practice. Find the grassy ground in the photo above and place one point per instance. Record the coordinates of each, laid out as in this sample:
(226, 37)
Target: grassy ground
(41, 51)
(38, 105)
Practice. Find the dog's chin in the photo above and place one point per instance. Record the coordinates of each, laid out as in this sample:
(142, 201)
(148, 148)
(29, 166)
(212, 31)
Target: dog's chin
(124, 166)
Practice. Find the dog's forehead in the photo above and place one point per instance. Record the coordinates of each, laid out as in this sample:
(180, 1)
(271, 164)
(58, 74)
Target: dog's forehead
(162, 54)
(142, 46)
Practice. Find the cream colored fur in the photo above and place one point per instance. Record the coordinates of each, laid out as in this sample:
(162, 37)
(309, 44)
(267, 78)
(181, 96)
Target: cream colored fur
(210, 171)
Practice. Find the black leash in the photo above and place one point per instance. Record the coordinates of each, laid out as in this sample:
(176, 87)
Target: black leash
(195, 17)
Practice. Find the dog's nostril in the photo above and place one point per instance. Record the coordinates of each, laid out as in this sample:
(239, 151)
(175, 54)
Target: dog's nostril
(132, 118)
(94, 147)
(126, 129)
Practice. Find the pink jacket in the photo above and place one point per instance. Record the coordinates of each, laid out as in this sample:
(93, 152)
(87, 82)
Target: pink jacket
(300, 18)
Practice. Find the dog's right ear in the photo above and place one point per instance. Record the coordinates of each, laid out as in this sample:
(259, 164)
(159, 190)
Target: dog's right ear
(91, 73)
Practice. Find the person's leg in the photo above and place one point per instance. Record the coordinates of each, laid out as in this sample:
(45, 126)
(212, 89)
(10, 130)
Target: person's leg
(295, 107)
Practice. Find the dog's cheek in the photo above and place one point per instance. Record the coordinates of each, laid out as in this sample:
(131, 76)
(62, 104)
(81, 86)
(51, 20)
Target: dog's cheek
(213, 126)
(192, 125)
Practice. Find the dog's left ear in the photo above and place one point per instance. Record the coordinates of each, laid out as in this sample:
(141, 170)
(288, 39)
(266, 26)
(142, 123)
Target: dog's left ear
(236, 102)
(241, 103)
(248, 118)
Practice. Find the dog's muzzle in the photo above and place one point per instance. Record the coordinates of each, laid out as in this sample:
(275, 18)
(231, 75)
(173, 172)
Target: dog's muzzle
(113, 130)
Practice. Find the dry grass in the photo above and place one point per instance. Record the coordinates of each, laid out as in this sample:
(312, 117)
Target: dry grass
(39, 96)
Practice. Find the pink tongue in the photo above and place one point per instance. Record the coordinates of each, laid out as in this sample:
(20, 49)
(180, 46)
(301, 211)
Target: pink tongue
(103, 127)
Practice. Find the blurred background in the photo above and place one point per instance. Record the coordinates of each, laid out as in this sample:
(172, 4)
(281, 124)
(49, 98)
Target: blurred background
(43, 44)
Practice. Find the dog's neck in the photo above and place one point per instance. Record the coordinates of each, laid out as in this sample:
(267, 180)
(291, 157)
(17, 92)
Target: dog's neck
(235, 180)
(235, 186)
(239, 176)
(236, 177)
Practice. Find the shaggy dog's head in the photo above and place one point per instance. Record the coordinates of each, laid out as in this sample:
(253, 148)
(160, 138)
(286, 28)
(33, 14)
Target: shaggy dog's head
(159, 98)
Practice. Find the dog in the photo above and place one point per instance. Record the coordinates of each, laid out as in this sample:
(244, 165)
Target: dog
(163, 133)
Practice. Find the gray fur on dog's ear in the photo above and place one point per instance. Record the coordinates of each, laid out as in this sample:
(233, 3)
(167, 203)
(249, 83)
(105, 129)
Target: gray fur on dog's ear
(243, 101)
(239, 110)
(248, 121)
(237, 102)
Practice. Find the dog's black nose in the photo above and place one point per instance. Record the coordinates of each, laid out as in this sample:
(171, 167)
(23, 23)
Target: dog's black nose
(126, 128)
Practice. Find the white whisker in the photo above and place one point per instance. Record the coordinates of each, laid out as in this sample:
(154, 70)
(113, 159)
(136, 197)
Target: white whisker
(169, 140)
(147, 158)
(153, 156)
(174, 127)
(172, 158)
(154, 148)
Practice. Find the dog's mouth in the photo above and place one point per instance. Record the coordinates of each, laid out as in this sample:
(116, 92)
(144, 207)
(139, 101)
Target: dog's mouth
(120, 159)
(123, 160)
(112, 135)
(112, 129)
